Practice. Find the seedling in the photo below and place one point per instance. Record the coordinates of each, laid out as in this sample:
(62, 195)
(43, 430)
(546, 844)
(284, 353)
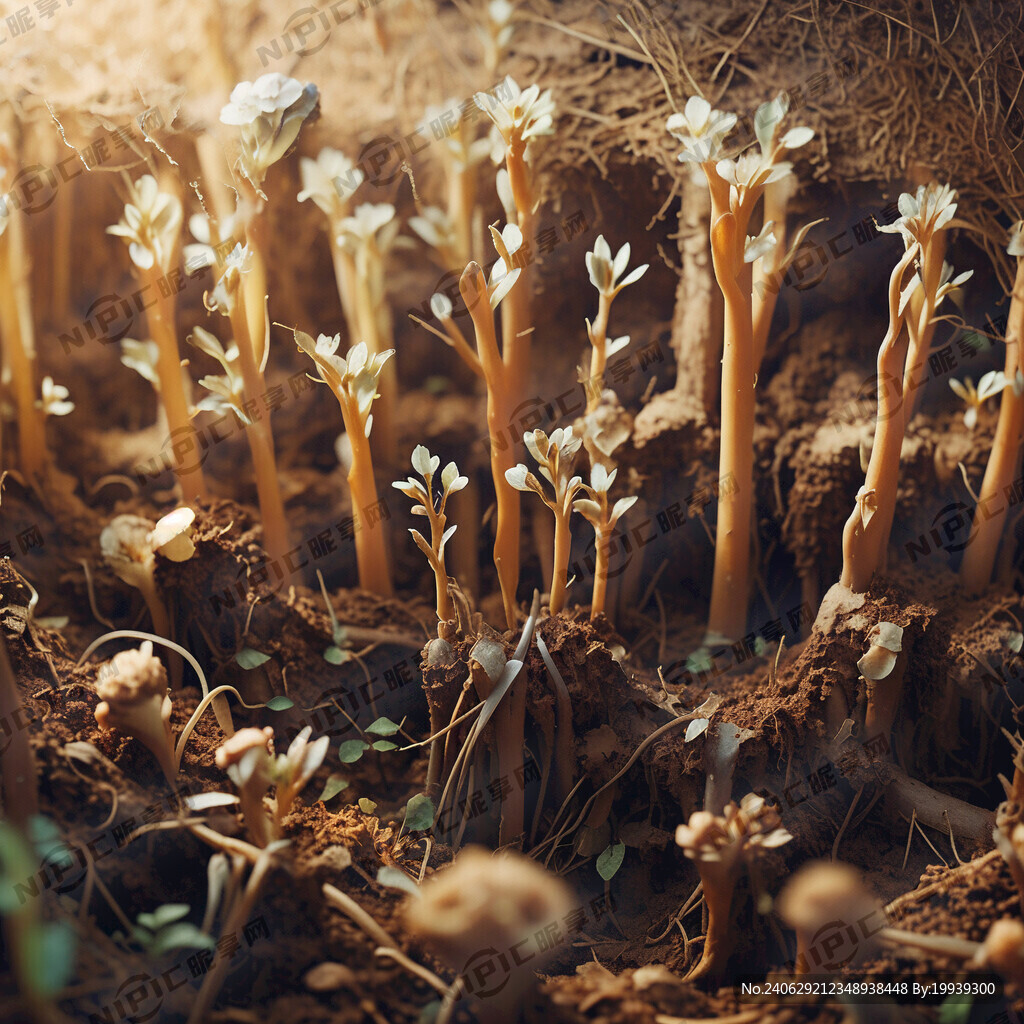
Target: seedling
(555, 457)
(987, 529)
(330, 181)
(604, 518)
(368, 235)
(736, 186)
(422, 493)
(719, 844)
(604, 276)
(354, 380)
(163, 931)
(251, 764)
(524, 116)
(134, 700)
(150, 227)
(242, 383)
(54, 399)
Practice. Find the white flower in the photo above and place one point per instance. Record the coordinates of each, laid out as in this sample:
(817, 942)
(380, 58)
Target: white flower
(55, 399)
(507, 269)
(142, 357)
(595, 508)
(605, 271)
(270, 93)
(990, 385)
(555, 455)
(203, 253)
(370, 223)
(269, 113)
(227, 390)
(1015, 246)
(353, 378)
(922, 214)
(436, 228)
(524, 115)
(151, 223)
(330, 181)
(701, 130)
(225, 291)
(750, 170)
(760, 245)
(767, 120)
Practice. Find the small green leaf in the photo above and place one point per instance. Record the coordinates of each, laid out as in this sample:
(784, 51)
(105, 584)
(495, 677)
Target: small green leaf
(351, 750)
(279, 703)
(367, 806)
(50, 957)
(183, 935)
(393, 878)
(611, 860)
(429, 1012)
(332, 787)
(335, 655)
(419, 813)
(956, 1010)
(383, 745)
(247, 658)
(164, 915)
(383, 727)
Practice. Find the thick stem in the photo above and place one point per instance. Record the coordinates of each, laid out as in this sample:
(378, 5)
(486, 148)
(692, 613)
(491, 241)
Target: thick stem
(602, 554)
(718, 884)
(377, 338)
(160, 318)
(345, 277)
(598, 358)
(560, 565)
(517, 309)
(20, 351)
(731, 580)
(461, 203)
(990, 513)
(371, 549)
(767, 276)
(261, 443)
(506, 540)
(864, 542)
(922, 307)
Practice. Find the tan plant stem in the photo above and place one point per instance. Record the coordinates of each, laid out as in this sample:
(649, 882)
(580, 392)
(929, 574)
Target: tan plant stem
(731, 579)
(602, 549)
(864, 541)
(160, 318)
(461, 204)
(345, 278)
(767, 273)
(375, 329)
(517, 309)
(444, 606)
(464, 542)
(988, 526)
(598, 358)
(560, 564)
(718, 882)
(215, 174)
(254, 281)
(371, 549)
(17, 332)
(499, 397)
(240, 913)
(921, 324)
(261, 442)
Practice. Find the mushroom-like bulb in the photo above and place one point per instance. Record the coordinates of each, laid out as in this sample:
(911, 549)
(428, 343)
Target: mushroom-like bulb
(886, 642)
(133, 699)
(1003, 949)
(483, 900)
(832, 913)
(127, 550)
(232, 750)
(172, 535)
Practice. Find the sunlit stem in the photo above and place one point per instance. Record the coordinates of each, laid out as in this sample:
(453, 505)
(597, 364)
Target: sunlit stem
(517, 309)
(731, 578)
(598, 355)
(374, 328)
(865, 542)
(16, 329)
(371, 549)
(603, 547)
(506, 540)
(560, 565)
(161, 320)
(345, 278)
(922, 311)
(461, 204)
(261, 442)
(767, 270)
(990, 515)
(444, 606)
